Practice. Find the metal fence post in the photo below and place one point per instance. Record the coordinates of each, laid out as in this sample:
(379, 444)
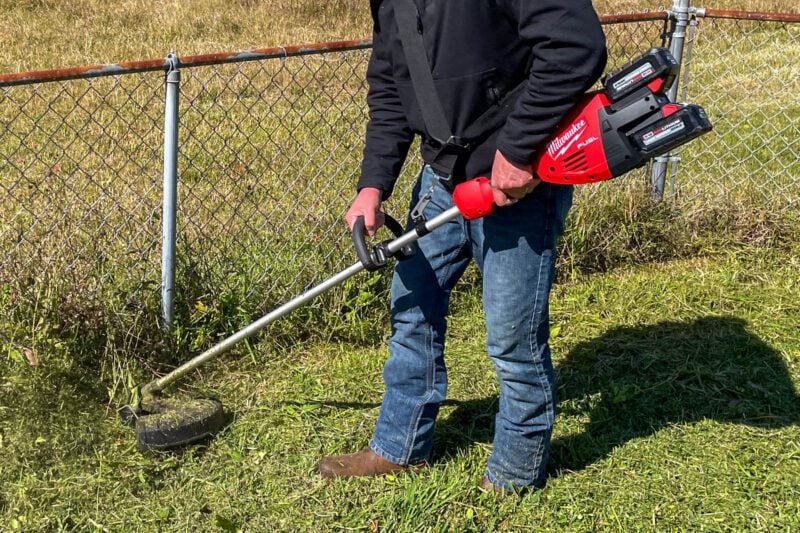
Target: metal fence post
(680, 20)
(170, 192)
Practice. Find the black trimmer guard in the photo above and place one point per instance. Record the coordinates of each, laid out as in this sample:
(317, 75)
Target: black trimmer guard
(167, 423)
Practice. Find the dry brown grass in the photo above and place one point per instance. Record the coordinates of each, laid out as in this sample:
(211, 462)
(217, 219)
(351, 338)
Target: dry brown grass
(40, 34)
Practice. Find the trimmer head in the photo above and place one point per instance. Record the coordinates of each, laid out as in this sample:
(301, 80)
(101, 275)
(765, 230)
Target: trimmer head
(166, 423)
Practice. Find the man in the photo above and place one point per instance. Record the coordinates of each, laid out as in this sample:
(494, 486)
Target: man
(478, 51)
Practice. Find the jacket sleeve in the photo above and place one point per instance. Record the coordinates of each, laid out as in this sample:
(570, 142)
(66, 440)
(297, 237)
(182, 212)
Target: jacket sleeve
(568, 55)
(388, 135)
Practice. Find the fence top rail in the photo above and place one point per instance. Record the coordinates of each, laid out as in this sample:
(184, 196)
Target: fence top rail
(132, 67)
(634, 17)
(752, 15)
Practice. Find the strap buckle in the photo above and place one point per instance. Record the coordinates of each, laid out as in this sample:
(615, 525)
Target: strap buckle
(418, 213)
(448, 160)
(453, 143)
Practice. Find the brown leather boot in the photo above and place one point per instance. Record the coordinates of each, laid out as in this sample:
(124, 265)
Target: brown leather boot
(363, 463)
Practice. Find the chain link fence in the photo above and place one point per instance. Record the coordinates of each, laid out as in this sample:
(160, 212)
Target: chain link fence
(80, 208)
(744, 74)
(268, 157)
(269, 152)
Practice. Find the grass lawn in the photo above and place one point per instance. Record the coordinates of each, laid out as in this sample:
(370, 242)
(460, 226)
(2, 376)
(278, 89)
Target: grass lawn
(679, 409)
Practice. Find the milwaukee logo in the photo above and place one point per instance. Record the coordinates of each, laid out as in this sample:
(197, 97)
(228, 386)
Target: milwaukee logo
(561, 144)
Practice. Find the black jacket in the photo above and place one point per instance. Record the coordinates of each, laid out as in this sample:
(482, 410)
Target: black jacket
(479, 49)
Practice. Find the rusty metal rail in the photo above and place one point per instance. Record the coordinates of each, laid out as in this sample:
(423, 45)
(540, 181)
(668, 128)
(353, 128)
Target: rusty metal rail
(634, 17)
(151, 65)
(752, 15)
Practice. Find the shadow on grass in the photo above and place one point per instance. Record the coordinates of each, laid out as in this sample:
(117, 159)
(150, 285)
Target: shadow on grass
(633, 381)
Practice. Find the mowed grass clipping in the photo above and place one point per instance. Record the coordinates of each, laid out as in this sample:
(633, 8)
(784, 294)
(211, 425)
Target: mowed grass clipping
(679, 410)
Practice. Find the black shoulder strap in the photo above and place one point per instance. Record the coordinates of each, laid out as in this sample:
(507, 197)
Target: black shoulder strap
(494, 117)
(374, 7)
(430, 104)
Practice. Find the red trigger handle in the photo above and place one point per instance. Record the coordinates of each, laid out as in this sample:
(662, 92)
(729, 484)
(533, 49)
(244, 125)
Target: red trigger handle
(474, 198)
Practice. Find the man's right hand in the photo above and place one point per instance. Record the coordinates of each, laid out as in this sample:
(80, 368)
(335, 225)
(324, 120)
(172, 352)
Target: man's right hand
(368, 205)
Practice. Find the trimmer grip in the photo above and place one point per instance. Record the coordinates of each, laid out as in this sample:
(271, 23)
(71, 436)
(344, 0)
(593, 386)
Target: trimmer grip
(378, 257)
(474, 198)
(359, 236)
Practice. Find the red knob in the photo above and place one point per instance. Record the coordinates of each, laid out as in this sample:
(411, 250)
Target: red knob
(474, 198)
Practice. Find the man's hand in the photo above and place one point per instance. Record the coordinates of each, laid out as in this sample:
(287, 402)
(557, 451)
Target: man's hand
(511, 181)
(368, 205)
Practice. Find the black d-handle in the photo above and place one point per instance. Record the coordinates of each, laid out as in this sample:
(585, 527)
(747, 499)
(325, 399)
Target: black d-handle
(379, 256)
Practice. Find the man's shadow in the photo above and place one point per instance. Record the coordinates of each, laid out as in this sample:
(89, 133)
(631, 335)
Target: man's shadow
(633, 381)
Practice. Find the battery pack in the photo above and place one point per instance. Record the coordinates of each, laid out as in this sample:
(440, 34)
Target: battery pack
(655, 64)
(680, 127)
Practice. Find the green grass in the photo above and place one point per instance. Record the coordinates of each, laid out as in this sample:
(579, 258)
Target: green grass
(679, 390)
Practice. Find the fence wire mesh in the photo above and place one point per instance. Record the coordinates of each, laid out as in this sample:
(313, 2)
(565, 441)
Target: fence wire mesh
(744, 74)
(80, 195)
(269, 156)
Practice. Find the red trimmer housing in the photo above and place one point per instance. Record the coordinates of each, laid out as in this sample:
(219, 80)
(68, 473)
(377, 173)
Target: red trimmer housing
(622, 126)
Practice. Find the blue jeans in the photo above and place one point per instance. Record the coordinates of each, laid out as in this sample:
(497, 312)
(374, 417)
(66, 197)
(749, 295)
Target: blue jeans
(515, 252)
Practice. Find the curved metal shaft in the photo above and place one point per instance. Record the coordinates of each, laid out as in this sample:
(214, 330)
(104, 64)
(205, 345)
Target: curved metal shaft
(160, 384)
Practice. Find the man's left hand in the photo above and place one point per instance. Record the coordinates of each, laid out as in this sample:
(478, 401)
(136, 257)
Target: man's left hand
(510, 181)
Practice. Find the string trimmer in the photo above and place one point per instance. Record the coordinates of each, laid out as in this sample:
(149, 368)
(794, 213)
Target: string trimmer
(612, 131)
